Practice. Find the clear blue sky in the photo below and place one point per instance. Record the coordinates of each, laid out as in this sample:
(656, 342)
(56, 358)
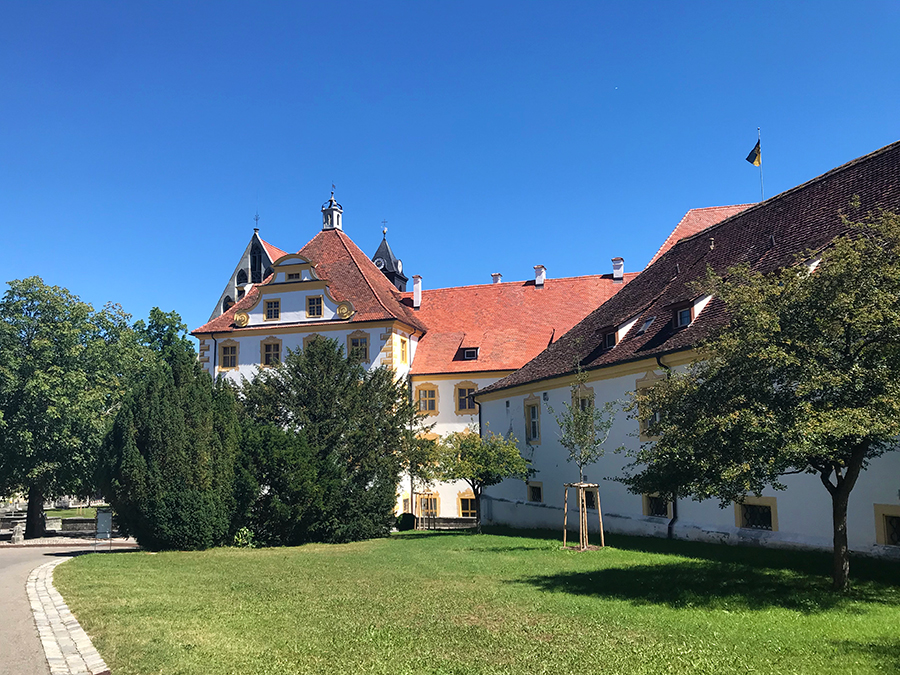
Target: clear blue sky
(138, 139)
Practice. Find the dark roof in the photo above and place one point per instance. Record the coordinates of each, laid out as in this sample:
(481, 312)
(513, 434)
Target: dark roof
(387, 255)
(766, 236)
(697, 220)
(350, 276)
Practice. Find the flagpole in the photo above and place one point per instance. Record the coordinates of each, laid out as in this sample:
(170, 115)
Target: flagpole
(762, 194)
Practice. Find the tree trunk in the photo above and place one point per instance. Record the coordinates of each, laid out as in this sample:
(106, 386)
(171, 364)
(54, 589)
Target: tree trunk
(477, 494)
(34, 524)
(841, 566)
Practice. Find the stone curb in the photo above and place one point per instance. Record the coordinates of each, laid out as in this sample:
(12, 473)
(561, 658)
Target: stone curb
(68, 649)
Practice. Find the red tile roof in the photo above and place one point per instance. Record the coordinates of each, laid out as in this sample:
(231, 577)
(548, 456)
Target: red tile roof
(510, 323)
(767, 236)
(697, 220)
(273, 252)
(350, 276)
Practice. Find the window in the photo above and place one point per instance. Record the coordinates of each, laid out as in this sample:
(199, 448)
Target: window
(683, 317)
(426, 395)
(308, 340)
(270, 352)
(887, 524)
(533, 420)
(646, 325)
(609, 340)
(228, 355)
(583, 398)
(358, 346)
(656, 506)
(470, 354)
(756, 513)
(465, 398)
(404, 351)
(314, 306)
(227, 303)
(645, 382)
(273, 310)
(256, 264)
(535, 491)
(293, 276)
(590, 499)
(466, 504)
(428, 505)
(242, 277)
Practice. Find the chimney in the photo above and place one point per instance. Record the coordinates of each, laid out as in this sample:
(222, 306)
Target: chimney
(540, 274)
(417, 291)
(496, 276)
(618, 269)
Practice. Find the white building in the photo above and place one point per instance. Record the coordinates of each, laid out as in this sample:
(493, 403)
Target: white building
(653, 324)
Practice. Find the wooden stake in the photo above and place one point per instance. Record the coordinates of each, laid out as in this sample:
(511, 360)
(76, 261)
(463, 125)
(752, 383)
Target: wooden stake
(565, 515)
(600, 516)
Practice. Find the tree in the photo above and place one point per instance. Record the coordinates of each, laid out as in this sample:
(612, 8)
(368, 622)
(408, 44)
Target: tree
(418, 448)
(583, 427)
(64, 368)
(353, 422)
(481, 462)
(168, 462)
(802, 379)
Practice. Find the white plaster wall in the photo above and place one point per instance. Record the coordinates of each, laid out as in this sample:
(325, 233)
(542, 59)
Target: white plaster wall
(803, 509)
(293, 307)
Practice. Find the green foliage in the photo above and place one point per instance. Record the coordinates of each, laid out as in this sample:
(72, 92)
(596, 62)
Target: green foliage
(64, 368)
(168, 461)
(584, 428)
(352, 421)
(406, 522)
(481, 461)
(802, 379)
(244, 538)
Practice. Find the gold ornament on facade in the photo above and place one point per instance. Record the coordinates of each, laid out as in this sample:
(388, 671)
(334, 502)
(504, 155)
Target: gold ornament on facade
(345, 310)
(241, 319)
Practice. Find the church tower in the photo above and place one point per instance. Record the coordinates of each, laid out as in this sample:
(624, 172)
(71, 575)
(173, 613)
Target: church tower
(389, 264)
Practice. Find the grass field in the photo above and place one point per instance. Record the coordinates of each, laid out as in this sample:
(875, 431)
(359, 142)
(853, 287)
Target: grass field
(82, 512)
(462, 603)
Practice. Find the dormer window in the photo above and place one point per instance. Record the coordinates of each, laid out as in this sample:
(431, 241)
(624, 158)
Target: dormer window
(683, 317)
(646, 325)
(609, 339)
(470, 354)
(293, 276)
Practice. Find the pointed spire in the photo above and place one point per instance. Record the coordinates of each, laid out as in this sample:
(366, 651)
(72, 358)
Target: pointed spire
(332, 213)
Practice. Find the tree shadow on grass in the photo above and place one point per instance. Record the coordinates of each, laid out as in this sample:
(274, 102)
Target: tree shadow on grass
(886, 654)
(425, 534)
(707, 584)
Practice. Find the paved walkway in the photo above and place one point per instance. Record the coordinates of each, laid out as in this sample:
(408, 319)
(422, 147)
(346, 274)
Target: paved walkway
(22, 651)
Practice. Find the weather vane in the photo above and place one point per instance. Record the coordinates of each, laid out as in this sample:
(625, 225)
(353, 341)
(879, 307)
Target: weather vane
(256, 218)
(384, 230)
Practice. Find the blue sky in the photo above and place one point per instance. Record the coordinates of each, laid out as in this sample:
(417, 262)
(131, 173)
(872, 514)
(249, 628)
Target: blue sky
(139, 139)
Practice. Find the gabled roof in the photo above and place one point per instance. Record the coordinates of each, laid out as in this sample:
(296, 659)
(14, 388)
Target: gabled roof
(273, 252)
(350, 276)
(697, 220)
(509, 323)
(767, 236)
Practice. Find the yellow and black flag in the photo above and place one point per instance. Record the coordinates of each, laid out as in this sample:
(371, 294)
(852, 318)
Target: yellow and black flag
(755, 156)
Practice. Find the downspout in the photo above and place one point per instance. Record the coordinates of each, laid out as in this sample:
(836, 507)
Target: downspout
(671, 526)
(215, 356)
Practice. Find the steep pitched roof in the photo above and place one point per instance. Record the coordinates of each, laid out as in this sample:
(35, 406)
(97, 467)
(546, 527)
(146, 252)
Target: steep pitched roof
(387, 255)
(766, 236)
(509, 323)
(273, 252)
(350, 276)
(697, 220)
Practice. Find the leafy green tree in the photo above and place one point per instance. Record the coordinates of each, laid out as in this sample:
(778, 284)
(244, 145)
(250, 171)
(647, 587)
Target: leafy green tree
(583, 427)
(64, 368)
(481, 461)
(168, 461)
(802, 379)
(419, 449)
(353, 422)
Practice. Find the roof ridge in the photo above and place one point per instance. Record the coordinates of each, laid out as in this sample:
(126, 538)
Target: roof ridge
(790, 191)
(341, 236)
(519, 283)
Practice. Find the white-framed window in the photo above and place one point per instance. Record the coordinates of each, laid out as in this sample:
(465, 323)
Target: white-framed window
(609, 340)
(470, 354)
(683, 317)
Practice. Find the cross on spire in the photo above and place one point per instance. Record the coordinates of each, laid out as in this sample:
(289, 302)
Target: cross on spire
(384, 230)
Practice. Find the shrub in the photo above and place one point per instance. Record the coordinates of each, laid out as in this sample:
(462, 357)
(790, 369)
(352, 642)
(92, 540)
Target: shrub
(406, 521)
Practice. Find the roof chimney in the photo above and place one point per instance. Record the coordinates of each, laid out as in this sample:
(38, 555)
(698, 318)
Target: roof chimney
(417, 291)
(618, 269)
(540, 275)
(496, 276)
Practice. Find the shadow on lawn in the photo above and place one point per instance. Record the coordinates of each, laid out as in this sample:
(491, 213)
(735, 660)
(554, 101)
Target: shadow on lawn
(705, 584)
(887, 654)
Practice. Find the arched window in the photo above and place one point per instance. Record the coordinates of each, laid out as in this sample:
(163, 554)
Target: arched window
(242, 277)
(227, 303)
(256, 264)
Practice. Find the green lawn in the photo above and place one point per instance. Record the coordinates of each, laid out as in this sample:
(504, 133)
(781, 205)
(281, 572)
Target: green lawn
(82, 512)
(462, 603)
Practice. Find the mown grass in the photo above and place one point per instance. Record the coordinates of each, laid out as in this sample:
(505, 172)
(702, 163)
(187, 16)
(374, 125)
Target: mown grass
(495, 603)
(77, 512)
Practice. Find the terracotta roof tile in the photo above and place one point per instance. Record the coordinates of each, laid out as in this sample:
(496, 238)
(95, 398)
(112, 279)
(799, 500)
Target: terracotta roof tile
(697, 220)
(273, 252)
(509, 323)
(766, 236)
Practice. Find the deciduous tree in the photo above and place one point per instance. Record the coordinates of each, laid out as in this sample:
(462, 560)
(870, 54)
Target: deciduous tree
(803, 378)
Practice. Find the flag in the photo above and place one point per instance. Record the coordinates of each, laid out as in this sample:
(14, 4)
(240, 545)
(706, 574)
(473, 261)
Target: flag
(755, 156)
